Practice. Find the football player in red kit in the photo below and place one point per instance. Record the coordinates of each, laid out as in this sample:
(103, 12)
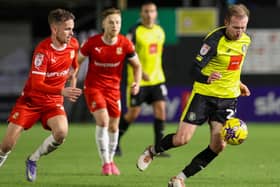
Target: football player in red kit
(54, 62)
(107, 53)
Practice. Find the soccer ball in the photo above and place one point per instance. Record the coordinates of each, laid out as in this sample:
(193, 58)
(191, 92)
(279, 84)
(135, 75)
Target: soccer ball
(234, 131)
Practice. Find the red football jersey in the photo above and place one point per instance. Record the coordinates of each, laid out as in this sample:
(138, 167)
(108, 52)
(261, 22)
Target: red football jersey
(106, 61)
(50, 68)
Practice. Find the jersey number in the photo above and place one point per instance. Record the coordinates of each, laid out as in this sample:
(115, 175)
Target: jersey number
(230, 113)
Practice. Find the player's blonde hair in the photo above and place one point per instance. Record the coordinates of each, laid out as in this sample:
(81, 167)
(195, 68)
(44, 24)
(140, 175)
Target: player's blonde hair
(238, 10)
(60, 15)
(110, 11)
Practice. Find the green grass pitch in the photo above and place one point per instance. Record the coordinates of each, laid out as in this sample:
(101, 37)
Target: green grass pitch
(256, 163)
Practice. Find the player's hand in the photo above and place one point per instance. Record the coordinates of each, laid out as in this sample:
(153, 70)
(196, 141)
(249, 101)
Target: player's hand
(135, 88)
(145, 76)
(71, 93)
(244, 90)
(214, 76)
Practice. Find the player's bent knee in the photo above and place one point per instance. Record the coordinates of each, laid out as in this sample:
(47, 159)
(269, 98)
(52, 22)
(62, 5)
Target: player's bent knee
(113, 129)
(60, 136)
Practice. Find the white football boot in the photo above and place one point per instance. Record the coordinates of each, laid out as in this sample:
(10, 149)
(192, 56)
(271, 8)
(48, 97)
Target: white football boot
(145, 159)
(176, 182)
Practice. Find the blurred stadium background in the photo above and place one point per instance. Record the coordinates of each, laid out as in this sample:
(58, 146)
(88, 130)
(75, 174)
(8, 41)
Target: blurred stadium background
(23, 23)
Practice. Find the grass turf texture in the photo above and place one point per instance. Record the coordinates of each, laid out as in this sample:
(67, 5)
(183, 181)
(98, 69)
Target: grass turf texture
(255, 163)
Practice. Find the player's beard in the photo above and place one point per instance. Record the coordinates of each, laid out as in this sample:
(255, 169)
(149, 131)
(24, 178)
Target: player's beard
(232, 36)
(235, 37)
(238, 36)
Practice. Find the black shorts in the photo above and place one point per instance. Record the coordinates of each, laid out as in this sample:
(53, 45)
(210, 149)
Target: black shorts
(201, 108)
(148, 94)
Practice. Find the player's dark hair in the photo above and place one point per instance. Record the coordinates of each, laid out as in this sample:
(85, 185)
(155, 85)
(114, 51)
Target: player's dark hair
(60, 15)
(238, 10)
(148, 3)
(109, 11)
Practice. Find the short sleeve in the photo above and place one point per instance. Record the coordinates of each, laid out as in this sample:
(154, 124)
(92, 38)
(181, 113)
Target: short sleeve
(85, 48)
(39, 62)
(75, 63)
(130, 49)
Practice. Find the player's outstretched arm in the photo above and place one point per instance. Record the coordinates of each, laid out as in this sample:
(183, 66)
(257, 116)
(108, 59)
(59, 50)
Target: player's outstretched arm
(244, 90)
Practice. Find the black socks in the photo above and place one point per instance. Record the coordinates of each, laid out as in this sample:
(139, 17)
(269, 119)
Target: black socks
(199, 162)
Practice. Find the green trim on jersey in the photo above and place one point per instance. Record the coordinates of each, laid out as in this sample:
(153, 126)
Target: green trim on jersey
(219, 54)
(149, 44)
